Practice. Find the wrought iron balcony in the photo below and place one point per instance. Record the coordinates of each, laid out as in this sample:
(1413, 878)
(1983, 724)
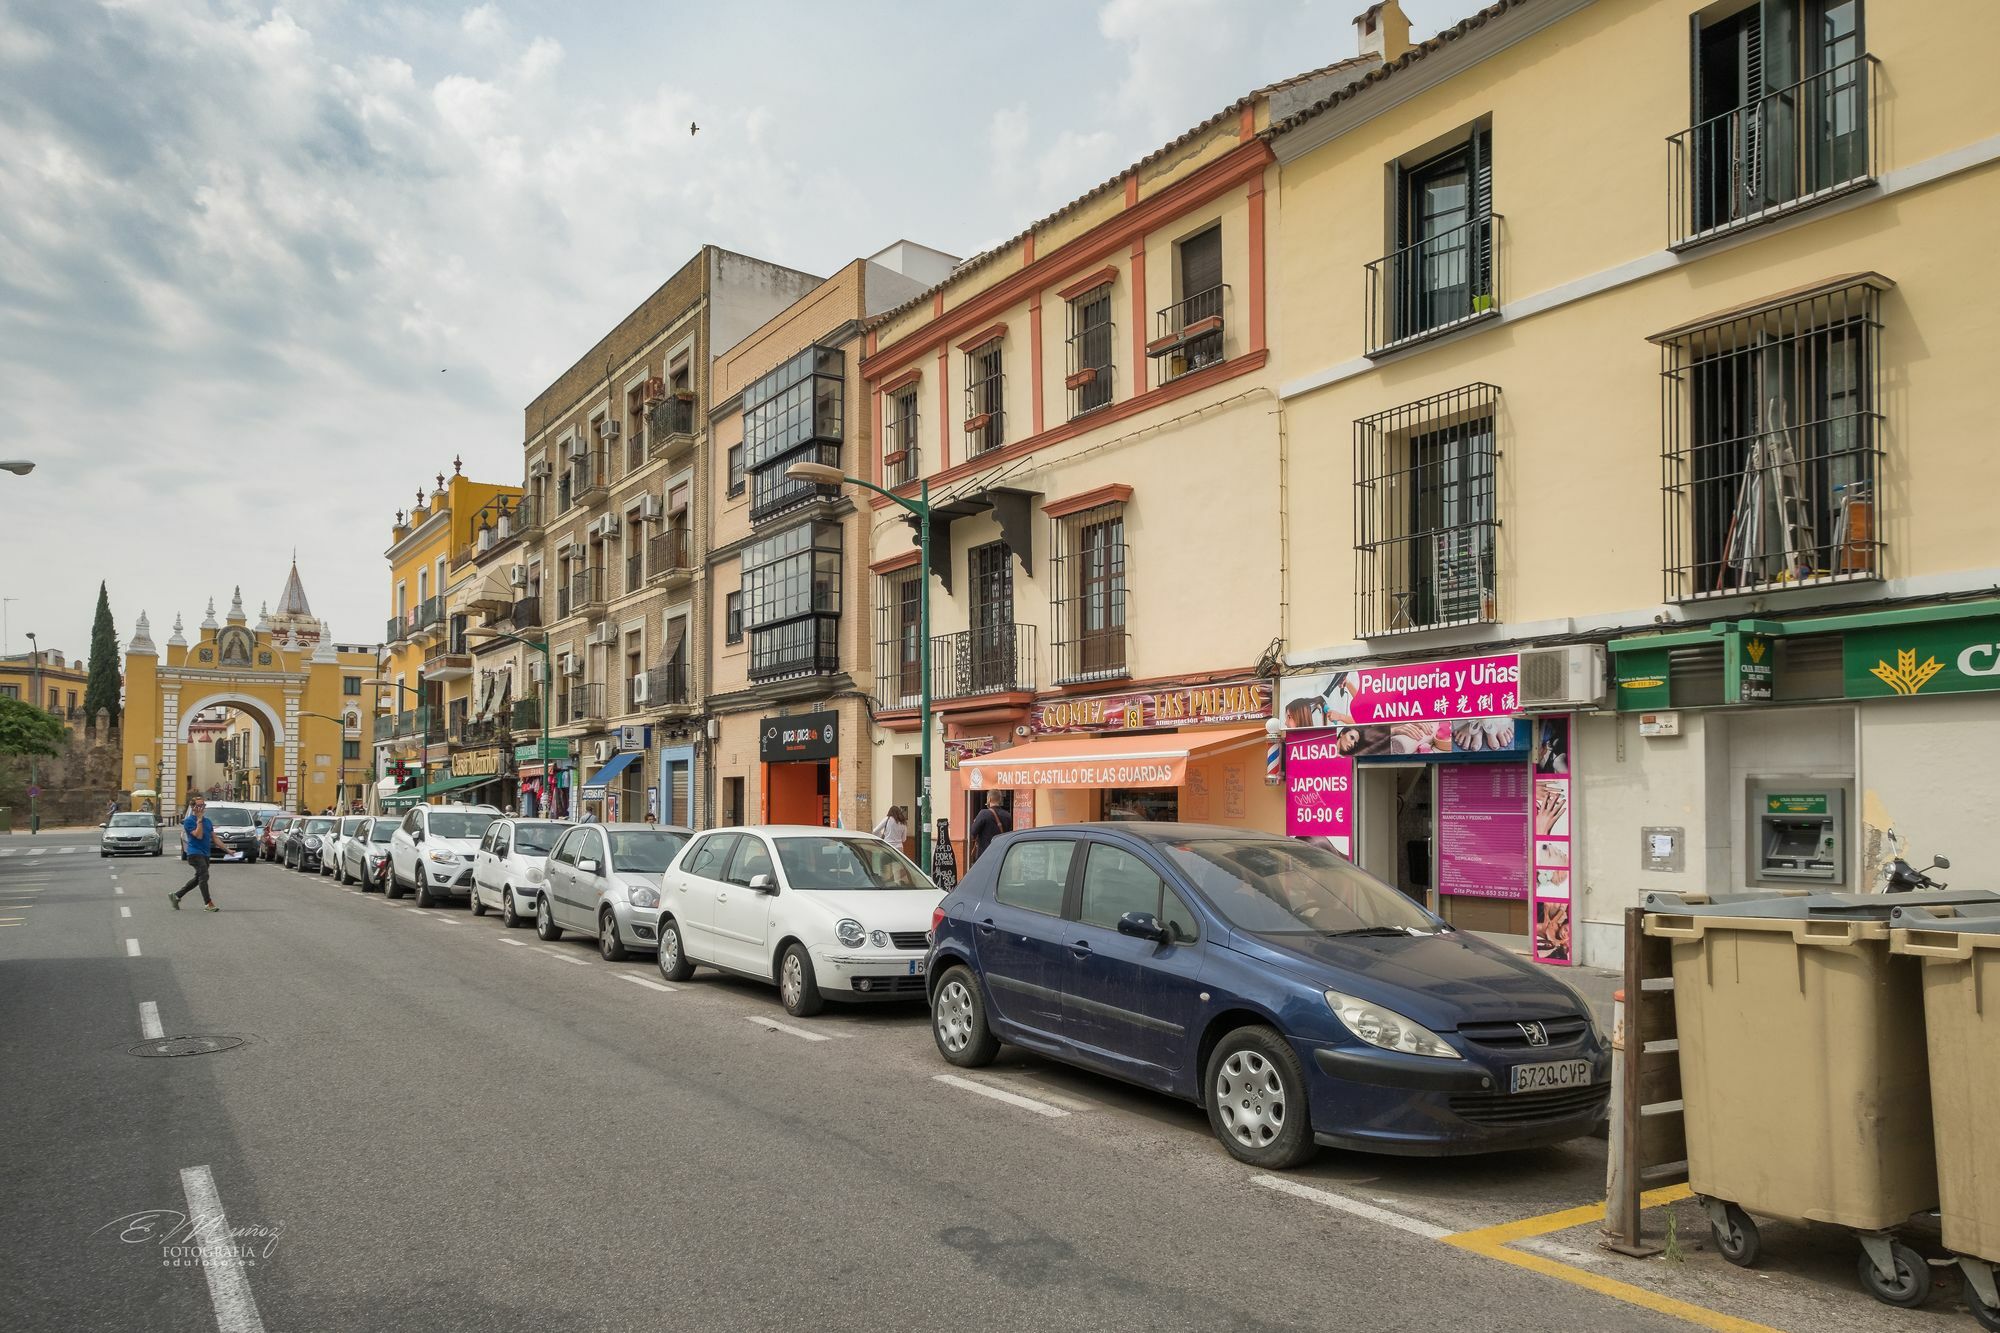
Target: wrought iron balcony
(1188, 334)
(585, 591)
(528, 517)
(485, 731)
(580, 703)
(997, 659)
(587, 481)
(667, 686)
(669, 554)
(397, 630)
(672, 425)
(526, 714)
(385, 727)
(1783, 152)
(527, 613)
(1434, 285)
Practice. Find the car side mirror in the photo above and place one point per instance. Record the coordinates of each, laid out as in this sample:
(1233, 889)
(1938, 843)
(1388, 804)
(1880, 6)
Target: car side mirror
(1145, 926)
(416, 835)
(587, 866)
(763, 884)
(1941, 863)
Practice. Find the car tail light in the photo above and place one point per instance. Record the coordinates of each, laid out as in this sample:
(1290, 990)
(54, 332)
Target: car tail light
(937, 919)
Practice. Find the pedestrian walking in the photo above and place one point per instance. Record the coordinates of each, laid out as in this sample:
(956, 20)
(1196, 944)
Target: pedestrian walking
(199, 849)
(111, 810)
(989, 824)
(893, 829)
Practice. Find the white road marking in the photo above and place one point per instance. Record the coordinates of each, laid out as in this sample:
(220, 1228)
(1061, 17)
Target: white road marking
(558, 953)
(131, 948)
(1001, 1095)
(149, 1021)
(649, 985)
(228, 1288)
(117, 890)
(37, 851)
(518, 944)
(124, 911)
(785, 1028)
(1355, 1207)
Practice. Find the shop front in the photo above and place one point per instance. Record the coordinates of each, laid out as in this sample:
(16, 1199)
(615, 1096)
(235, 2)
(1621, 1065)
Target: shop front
(545, 779)
(484, 776)
(1428, 775)
(798, 761)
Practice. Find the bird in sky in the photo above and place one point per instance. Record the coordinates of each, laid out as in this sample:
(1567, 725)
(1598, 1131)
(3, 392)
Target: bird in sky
(693, 129)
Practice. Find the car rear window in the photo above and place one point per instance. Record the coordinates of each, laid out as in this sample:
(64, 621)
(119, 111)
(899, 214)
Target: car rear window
(1034, 874)
(224, 817)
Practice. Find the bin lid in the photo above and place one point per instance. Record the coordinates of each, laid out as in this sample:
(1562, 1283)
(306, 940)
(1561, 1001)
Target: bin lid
(1959, 918)
(1823, 906)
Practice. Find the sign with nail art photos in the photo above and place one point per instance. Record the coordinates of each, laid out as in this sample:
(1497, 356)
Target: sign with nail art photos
(1553, 875)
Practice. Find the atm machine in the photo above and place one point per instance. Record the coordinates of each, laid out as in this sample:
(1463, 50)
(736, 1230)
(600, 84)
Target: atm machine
(1797, 834)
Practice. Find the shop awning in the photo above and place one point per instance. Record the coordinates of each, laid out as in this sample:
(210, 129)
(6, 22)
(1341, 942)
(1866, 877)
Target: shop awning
(601, 779)
(412, 792)
(1103, 761)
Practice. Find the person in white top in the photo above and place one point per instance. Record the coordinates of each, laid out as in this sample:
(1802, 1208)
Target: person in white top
(892, 829)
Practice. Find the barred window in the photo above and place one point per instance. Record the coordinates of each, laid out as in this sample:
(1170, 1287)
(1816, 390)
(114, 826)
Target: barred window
(791, 601)
(735, 470)
(1425, 514)
(732, 618)
(1087, 601)
(1771, 447)
(985, 396)
(898, 643)
(901, 460)
(1091, 335)
(793, 415)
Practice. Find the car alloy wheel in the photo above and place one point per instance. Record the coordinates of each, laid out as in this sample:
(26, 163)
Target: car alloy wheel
(608, 942)
(670, 958)
(1250, 1095)
(792, 984)
(954, 1016)
(545, 922)
(508, 916)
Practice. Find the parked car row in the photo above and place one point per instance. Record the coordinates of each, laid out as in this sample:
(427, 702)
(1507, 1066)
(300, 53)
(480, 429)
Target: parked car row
(1297, 999)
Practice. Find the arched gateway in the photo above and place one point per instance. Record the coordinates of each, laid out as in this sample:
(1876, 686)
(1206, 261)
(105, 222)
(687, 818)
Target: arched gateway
(309, 695)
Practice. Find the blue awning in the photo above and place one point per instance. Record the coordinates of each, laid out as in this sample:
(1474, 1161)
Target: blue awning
(601, 779)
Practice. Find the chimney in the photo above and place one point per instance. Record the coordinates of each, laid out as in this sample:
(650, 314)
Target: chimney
(1382, 31)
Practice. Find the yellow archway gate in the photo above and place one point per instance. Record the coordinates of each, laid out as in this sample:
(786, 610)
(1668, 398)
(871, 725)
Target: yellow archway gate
(285, 671)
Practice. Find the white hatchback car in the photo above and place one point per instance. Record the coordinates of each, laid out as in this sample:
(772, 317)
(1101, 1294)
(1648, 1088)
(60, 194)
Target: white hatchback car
(336, 844)
(511, 866)
(432, 851)
(825, 914)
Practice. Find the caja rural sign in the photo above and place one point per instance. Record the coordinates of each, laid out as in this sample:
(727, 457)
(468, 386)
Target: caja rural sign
(1941, 657)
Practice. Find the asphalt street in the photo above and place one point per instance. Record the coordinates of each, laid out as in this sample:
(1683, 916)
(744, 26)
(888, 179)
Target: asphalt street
(435, 1123)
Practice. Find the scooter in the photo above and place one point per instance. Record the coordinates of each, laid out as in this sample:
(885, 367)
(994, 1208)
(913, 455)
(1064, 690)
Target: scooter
(1902, 879)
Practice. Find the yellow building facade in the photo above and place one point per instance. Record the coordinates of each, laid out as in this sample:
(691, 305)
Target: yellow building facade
(46, 679)
(308, 695)
(1658, 410)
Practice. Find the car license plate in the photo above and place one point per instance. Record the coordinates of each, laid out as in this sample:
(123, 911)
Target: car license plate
(1551, 1075)
(916, 967)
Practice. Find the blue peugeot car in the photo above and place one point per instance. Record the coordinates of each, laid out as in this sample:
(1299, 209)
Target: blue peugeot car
(1298, 999)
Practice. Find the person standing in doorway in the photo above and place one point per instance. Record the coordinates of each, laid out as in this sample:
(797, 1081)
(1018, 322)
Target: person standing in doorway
(199, 850)
(989, 824)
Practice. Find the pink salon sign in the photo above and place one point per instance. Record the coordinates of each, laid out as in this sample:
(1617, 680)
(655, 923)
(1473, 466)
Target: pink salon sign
(1319, 789)
(1465, 687)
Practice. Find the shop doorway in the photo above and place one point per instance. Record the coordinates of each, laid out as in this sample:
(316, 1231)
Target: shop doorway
(975, 801)
(1397, 826)
(799, 793)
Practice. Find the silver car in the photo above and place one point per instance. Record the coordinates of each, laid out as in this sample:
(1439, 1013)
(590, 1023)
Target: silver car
(336, 845)
(605, 879)
(364, 858)
(129, 834)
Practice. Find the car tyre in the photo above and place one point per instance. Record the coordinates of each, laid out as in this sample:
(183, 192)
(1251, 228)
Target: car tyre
(158, 850)
(478, 903)
(958, 1020)
(395, 887)
(608, 942)
(425, 898)
(509, 918)
(797, 987)
(672, 958)
(104, 856)
(545, 923)
(1255, 1094)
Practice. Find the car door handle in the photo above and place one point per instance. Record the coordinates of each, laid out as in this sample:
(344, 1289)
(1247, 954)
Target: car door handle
(986, 927)
(1081, 948)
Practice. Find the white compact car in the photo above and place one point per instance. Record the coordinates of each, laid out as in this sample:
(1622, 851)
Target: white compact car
(511, 866)
(432, 851)
(336, 843)
(825, 914)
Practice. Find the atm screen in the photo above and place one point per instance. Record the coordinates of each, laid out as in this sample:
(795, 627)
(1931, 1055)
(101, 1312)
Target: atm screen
(1795, 843)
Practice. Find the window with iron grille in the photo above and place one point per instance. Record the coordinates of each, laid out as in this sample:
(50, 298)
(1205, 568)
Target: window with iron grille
(1426, 522)
(732, 618)
(898, 643)
(1091, 334)
(1771, 448)
(791, 601)
(1087, 598)
(793, 415)
(900, 459)
(736, 482)
(985, 394)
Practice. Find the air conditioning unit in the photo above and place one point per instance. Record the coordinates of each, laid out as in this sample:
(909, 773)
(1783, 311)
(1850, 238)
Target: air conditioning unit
(608, 428)
(572, 665)
(1571, 676)
(604, 751)
(579, 447)
(656, 391)
(650, 507)
(538, 468)
(639, 688)
(605, 634)
(535, 669)
(607, 526)
(517, 575)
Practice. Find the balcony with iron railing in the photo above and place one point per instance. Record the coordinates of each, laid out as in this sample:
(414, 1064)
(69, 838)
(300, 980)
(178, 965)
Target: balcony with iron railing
(527, 612)
(587, 479)
(1188, 333)
(671, 424)
(397, 630)
(670, 555)
(668, 686)
(1786, 151)
(448, 661)
(1435, 285)
(526, 714)
(580, 703)
(997, 659)
(583, 592)
(485, 731)
(385, 727)
(413, 722)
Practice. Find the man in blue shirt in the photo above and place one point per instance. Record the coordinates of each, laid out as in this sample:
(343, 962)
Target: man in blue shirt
(200, 847)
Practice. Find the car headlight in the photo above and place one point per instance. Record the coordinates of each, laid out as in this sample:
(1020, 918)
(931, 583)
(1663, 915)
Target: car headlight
(535, 874)
(643, 896)
(1386, 1028)
(443, 857)
(313, 843)
(849, 932)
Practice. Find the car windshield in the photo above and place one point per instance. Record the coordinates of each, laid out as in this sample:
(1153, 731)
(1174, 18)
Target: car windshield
(131, 821)
(456, 825)
(382, 830)
(227, 818)
(847, 863)
(282, 822)
(644, 851)
(536, 839)
(350, 827)
(1280, 887)
(319, 826)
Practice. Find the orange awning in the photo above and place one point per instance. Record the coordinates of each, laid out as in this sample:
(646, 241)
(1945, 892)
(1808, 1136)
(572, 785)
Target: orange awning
(1103, 761)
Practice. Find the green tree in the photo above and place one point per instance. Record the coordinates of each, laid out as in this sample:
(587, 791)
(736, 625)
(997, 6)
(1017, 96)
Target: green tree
(26, 729)
(102, 691)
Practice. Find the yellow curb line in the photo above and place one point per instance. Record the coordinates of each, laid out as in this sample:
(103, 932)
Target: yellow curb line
(1493, 1242)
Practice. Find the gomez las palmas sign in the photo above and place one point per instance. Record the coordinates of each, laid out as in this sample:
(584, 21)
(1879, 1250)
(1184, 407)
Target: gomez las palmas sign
(1143, 710)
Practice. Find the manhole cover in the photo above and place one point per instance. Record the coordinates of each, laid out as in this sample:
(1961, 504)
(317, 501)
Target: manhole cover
(172, 1046)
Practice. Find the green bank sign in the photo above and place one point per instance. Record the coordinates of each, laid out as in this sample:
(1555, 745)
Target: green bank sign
(1940, 657)
(530, 754)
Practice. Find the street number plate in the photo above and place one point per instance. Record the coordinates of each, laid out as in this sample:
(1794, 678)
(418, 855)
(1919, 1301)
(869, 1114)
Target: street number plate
(916, 967)
(1553, 1074)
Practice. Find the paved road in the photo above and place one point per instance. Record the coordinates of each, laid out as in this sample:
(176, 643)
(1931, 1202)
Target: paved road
(448, 1125)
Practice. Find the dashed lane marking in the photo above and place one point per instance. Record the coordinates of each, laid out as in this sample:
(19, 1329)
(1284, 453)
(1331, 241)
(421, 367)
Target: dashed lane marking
(149, 1021)
(786, 1028)
(1002, 1095)
(228, 1287)
(649, 985)
(518, 944)
(131, 948)
(124, 911)
(558, 953)
(117, 889)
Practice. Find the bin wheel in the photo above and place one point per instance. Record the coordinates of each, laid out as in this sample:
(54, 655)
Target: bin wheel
(1912, 1286)
(1739, 1243)
(1987, 1315)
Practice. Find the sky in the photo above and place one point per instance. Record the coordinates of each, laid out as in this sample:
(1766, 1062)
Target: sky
(265, 269)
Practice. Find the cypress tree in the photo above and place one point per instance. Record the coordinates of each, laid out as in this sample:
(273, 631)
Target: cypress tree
(104, 685)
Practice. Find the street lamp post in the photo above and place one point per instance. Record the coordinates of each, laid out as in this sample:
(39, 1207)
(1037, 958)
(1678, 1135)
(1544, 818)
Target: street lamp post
(541, 704)
(34, 786)
(920, 509)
